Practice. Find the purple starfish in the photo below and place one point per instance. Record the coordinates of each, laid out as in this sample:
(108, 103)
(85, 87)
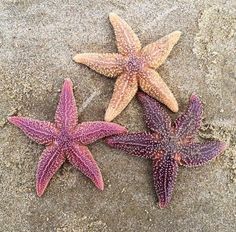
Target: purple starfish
(66, 139)
(168, 144)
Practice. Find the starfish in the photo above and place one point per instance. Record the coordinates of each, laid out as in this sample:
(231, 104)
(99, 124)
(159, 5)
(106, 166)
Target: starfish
(168, 144)
(134, 66)
(66, 140)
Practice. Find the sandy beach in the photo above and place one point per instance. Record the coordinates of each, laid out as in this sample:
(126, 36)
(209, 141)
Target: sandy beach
(38, 40)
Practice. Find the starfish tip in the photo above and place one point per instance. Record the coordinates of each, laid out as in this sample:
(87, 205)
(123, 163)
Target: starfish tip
(163, 205)
(100, 185)
(176, 35)
(13, 119)
(108, 141)
(78, 58)
(68, 85)
(112, 15)
(39, 191)
(108, 117)
(123, 130)
(195, 98)
(223, 146)
(68, 81)
(175, 108)
(10, 119)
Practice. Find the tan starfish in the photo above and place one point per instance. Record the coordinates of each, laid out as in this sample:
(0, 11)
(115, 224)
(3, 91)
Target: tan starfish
(134, 67)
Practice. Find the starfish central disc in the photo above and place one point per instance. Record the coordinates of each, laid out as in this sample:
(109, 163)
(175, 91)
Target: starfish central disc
(64, 139)
(134, 65)
(173, 142)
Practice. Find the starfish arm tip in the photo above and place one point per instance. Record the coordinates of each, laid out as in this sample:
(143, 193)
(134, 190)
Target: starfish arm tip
(68, 80)
(119, 129)
(112, 15)
(196, 101)
(100, 185)
(68, 84)
(98, 181)
(78, 58)
(194, 97)
(123, 130)
(110, 114)
(174, 107)
(177, 33)
(39, 190)
(39, 194)
(109, 140)
(15, 120)
(108, 117)
(223, 146)
(163, 205)
(11, 119)
(175, 36)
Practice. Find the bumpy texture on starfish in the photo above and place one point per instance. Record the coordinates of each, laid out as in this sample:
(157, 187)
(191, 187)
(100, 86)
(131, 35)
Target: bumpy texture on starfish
(134, 67)
(168, 144)
(66, 139)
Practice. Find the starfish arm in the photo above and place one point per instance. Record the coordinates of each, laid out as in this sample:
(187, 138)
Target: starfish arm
(189, 122)
(51, 160)
(81, 158)
(127, 41)
(198, 154)
(151, 83)
(89, 132)
(164, 174)
(156, 53)
(125, 89)
(110, 65)
(138, 144)
(157, 120)
(66, 114)
(39, 131)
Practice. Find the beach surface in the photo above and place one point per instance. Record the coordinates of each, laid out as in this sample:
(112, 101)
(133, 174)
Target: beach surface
(38, 39)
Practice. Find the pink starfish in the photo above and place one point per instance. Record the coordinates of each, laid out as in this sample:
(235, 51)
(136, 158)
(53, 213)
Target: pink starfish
(66, 139)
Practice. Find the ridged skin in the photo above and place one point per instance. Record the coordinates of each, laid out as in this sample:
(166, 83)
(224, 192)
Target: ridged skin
(66, 139)
(168, 144)
(134, 67)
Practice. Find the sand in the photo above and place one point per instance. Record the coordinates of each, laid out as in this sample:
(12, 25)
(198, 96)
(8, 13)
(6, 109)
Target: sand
(37, 42)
